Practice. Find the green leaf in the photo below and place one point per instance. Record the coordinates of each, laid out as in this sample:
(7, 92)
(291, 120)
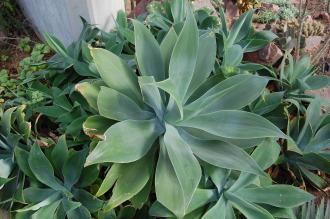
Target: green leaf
(79, 213)
(42, 169)
(110, 179)
(233, 56)
(116, 73)
(184, 56)
(222, 154)
(282, 196)
(117, 106)
(184, 163)
(92, 203)
(166, 48)
(132, 180)
(47, 211)
(152, 96)
(6, 121)
(317, 81)
(179, 10)
(58, 47)
(88, 176)
(205, 61)
(234, 124)
(167, 185)
(240, 29)
(320, 141)
(268, 103)
(90, 92)
(185, 171)
(73, 167)
(249, 210)
(69, 205)
(158, 210)
(49, 200)
(219, 210)
(96, 126)
(35, 195)
(125, 142)
(22, 157)
(201, 198)
(60, 153)
(257, 41)
(142, 197)
(147, 51)
(266, 154)
(227, 95)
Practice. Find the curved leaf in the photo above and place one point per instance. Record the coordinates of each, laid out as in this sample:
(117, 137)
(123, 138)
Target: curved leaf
(125, 142)
(42, 169)
(223, 155)
(234, 124)
(282, 196)
(227, 95)
(117, 106)
(147, 51)
(116, 73)
(131, 181)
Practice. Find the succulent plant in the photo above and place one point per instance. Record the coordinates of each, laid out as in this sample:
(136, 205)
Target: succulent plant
(246, 5)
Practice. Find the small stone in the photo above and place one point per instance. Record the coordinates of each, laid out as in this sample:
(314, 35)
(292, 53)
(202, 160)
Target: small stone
(309, 18)
(269, 55)
(325, 16)
(269, 6)
(313, 42)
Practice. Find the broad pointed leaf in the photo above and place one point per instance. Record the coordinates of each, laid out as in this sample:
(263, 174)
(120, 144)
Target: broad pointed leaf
(148, 52)
(125, 142)
(234, 124)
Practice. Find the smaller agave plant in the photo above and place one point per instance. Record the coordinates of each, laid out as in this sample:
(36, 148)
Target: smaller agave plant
(308, 149)
(169, 117)
(299, 76)
(242, 38)
(57, 183)
(311, 211)
(14, 133)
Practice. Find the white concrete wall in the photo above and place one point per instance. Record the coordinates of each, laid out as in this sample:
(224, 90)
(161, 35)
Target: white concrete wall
(61, 17)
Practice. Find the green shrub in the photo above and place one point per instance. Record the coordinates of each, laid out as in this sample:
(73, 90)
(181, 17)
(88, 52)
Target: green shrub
(266, 17)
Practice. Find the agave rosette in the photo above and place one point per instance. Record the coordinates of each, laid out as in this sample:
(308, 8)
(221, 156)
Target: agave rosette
(174, 110)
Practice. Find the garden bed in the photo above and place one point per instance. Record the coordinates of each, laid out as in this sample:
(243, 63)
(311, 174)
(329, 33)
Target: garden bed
(179, 113)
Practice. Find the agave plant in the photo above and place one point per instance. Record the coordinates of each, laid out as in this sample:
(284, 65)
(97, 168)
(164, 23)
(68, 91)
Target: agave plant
(162, 16)
(311, 211)
(299, 76)
(241, 38)
(56, 183)
(308, 151)
(14, 133)
(169, 114)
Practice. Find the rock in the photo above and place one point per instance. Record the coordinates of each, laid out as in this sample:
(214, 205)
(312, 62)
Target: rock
(140, 8)
(269, 6)
(325, 16)
(259, 27)
(309, 18)
(231, 12)
(324, 92)
(317, 15)
(313, 42)
(269, 55)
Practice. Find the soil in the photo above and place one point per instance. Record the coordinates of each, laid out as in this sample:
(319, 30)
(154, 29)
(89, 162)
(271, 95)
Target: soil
(9, 41)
